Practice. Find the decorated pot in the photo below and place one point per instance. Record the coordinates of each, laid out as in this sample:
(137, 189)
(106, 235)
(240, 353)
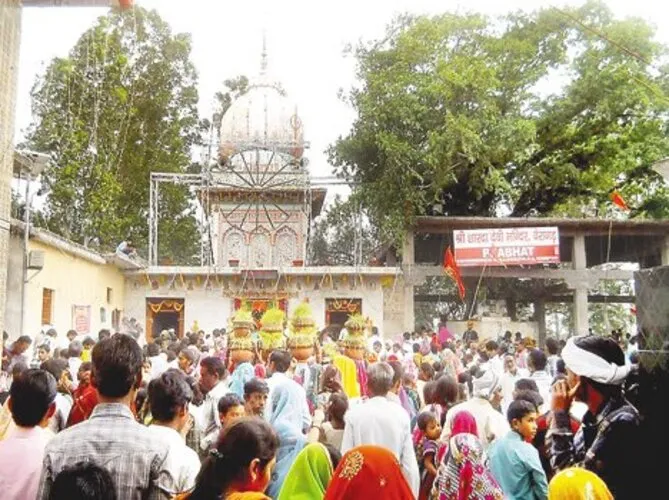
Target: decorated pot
(355, 352)
(239, 356)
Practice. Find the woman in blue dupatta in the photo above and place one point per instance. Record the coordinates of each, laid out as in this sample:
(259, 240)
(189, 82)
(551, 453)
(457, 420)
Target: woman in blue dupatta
(286, 419)
(242, 374)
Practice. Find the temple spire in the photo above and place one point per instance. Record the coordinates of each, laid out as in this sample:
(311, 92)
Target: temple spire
(263, 57)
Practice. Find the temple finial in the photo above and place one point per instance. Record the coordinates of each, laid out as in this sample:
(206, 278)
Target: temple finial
(263, 59)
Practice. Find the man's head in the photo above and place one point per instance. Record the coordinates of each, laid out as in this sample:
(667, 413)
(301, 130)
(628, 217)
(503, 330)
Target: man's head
(75, 349)
(279, 362)
(536, 360)
(212, 371)
(58, 368)
(522, 417)
(510, 364)
(524, 384)
(103, 334)
(187, 358)
(152, 349)
(22, 344)
(71, 335)
(426, 372)
(396, 348)
(230, 408)
(117, 367)
(43, 353)
(169, 396)
(337, 407)
(255, 397)
(380, 379)
(595, 367)
(378, 347)
(88, 343)
(552, 346)
(32, 398)
(491, 348)
(398, 373)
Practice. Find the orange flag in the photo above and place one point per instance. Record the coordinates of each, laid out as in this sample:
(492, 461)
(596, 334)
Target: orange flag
(451, 268)
(619, 201)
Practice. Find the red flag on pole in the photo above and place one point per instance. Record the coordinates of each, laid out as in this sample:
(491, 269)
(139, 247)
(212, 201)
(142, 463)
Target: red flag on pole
(451, 269)
(619, 201)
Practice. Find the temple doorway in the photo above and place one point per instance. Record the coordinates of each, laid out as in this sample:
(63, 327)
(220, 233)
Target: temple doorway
(337, 311)
(163, 314)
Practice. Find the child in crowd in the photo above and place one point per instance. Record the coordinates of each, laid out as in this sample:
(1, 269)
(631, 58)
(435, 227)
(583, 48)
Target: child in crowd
(332, 431)
(427, 446)
(514, 462)
(230, 408)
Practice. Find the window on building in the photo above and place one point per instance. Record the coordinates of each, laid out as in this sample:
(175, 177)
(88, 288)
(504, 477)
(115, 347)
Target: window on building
(110, 295)
(47, 306)
(116, 319)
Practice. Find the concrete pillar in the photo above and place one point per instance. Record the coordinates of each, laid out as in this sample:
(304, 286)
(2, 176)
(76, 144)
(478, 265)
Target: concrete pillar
(10, 38)
(665, 251)
(579, 261)
(408, 264)
(540, 318)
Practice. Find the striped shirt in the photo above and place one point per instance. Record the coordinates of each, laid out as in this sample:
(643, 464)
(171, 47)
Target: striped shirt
(113, 440)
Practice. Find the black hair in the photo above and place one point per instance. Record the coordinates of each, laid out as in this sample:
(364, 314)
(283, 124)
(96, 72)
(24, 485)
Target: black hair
(424, 420)
(24, 339)
(75, 349)
(335, 455)
(189, 354)
(537, 359)
(427, 369)
(531, 396)
(45, 347)
(55, 367)
(86, 366)
(338, 405)
(436, 366)
(526, 384)
(407, 336)
(83, 481)
(71, 332)
(552, 346)
(18, 369)
(398, 371)
(198, 397)
(561, 367)
(491, 345)
(152, 349)
(31, 395)
(88, 341)
(117, 365)
(446, 390)
(214, 366)
(229, 401)
(430, 392)
(238, 445)
(171, 355)
(281, 360)
(416, 348)
(255, 385)
(103, 334)
(519, 408)
(168, 394)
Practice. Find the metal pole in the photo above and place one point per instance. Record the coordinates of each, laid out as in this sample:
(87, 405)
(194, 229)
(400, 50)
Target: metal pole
(26, 256)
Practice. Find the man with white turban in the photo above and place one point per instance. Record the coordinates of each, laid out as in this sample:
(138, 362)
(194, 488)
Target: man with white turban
(608, 441)
(490, 423)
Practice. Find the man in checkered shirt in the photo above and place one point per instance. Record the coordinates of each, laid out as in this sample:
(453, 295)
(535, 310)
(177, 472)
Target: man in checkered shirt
(111, 438)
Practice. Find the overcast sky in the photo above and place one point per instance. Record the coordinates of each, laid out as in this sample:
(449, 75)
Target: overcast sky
(306, 39)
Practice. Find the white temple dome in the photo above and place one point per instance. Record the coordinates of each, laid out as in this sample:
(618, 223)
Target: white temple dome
(264, 117)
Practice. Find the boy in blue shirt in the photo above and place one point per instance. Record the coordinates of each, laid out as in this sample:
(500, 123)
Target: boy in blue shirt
(514, 462)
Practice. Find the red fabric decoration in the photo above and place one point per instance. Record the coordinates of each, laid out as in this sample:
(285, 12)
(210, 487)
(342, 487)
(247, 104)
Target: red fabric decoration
(451, 269)
(619, 201)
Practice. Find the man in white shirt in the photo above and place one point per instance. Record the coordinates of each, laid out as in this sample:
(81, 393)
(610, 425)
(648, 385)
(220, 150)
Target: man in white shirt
(74, 360)
(380, 422)
(490, 423)
(279, 362)
(495, 361)
(536, 362)
(169, 395)
(158, 360)
(213, 385)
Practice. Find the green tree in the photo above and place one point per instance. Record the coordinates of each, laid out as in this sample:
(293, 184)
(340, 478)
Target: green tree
(454, 116)
(120, 106)
(343, 236)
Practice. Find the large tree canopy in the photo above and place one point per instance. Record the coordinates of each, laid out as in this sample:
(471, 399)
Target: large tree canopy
(528, 114)
(122, 105)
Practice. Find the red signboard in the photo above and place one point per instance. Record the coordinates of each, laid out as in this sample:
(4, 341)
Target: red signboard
(507, 247)
(81, 319)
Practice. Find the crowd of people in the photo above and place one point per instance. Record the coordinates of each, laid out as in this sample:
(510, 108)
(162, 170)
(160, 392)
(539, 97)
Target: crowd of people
(427, 416)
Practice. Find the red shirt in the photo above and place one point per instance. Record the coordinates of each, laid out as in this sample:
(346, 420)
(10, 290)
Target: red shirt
(85, 400)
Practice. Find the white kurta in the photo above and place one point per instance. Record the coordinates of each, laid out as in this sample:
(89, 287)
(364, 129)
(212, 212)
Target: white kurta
(380, 422)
